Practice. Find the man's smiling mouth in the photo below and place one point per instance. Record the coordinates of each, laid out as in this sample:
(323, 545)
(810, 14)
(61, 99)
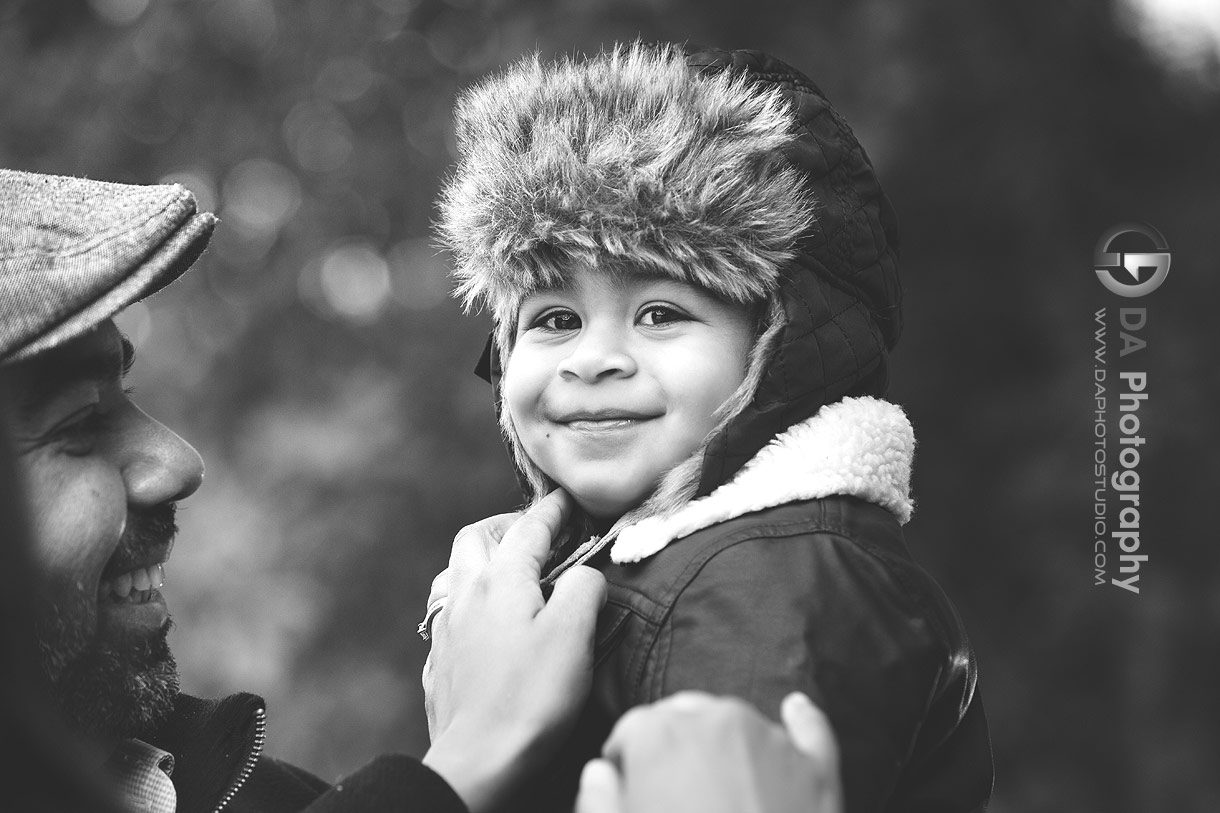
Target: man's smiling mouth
(136, 569)
(129, 594)
(133, 587)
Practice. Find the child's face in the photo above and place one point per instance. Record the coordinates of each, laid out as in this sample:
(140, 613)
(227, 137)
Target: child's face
(615, 379)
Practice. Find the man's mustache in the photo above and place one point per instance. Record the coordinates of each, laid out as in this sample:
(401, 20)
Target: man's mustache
(148, 532)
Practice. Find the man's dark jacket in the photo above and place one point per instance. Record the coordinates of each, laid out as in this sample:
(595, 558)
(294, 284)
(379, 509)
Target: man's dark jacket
(219, 765)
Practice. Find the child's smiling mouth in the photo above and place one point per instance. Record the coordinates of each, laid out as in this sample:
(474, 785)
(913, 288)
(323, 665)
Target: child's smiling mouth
(603, 420)
(602, 425)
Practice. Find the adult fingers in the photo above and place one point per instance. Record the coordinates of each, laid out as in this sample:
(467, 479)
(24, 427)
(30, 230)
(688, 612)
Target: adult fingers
(601, 789)
(473, 547)
(440, 587)
(527, 544)
(637, 732)
(579, 595)
(810, 731)
(693, 701)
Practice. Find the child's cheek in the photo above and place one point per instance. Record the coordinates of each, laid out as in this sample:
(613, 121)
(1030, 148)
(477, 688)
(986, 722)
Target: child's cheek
(522, 393)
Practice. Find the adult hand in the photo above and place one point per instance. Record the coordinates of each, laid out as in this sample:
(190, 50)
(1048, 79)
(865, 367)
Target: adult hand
(695, 752)
(509, 671)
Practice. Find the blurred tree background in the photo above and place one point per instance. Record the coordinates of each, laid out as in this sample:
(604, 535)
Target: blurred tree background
(315, 358)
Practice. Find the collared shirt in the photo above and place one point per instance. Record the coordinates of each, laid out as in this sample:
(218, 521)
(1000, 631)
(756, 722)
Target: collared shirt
(142, 773)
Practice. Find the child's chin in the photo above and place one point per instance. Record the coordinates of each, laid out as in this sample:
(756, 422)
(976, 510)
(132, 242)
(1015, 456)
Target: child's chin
(606, 508)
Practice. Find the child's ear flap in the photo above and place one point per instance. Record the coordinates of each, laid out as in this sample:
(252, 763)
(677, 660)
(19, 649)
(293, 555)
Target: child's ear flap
(486, 367)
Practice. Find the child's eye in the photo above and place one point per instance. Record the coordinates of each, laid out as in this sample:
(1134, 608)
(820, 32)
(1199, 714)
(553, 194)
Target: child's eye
(655, 315)
(557, 321)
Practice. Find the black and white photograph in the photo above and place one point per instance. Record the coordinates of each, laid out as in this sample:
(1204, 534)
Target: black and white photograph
(609, 406)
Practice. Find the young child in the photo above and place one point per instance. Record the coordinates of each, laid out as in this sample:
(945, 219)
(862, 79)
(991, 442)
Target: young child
(692, 274)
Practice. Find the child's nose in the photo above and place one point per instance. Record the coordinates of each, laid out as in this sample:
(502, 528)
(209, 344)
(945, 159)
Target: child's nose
(598, 354)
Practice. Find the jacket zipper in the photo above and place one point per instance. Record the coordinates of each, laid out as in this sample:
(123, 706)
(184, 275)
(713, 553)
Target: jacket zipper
(260, 737)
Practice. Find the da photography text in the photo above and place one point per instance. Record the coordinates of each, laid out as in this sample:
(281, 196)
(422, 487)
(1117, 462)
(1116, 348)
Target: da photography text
(1132, 261)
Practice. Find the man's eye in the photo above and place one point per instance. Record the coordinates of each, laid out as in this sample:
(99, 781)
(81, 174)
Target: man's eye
(78, 434)
(558, 321)
(661, 315)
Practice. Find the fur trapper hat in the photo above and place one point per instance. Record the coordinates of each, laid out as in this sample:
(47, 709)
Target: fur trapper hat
(621, 162)
(728, 170)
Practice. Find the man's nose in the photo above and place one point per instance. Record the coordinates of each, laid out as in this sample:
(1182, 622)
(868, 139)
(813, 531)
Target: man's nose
(159, 466)
(599, 353)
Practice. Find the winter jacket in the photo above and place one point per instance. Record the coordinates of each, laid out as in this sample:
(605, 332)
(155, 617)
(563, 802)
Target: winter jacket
(219, 765)
(795, 576)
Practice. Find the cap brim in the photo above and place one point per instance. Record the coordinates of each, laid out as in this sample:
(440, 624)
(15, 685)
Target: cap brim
(163, 265)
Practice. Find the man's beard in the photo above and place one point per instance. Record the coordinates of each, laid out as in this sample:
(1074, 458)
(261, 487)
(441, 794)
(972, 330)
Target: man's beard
(107, 687)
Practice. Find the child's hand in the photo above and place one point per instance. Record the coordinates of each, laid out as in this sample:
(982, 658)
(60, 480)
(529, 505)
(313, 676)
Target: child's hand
(509, 671)
(695, 752)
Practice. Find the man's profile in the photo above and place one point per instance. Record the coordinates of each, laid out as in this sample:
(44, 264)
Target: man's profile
(103, 480)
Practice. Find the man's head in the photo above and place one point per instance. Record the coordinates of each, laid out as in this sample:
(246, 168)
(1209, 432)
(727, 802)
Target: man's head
(100, 478)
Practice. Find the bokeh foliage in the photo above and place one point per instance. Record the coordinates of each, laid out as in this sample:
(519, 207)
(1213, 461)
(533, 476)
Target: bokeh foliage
(314, 358)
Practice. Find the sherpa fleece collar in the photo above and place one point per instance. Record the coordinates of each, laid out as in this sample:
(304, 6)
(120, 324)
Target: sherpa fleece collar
(860, 447)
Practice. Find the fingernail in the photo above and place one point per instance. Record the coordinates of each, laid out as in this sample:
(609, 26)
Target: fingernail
(687, 700)
(798, 702)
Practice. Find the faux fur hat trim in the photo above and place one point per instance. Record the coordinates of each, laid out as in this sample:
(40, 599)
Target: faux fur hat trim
(861, 447)
(627, 161)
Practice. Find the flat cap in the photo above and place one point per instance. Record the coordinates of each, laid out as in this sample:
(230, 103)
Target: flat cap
(74, 252)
